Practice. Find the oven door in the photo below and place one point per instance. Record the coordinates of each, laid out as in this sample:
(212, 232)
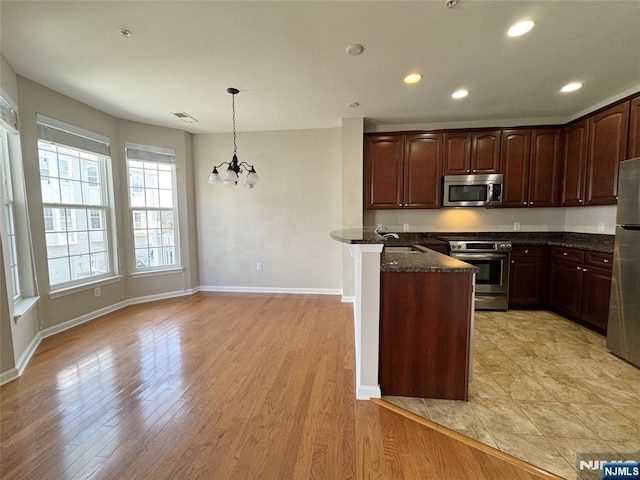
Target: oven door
(493, 270)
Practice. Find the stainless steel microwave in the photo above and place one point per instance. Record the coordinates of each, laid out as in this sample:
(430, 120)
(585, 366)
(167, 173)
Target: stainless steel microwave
(472, 190)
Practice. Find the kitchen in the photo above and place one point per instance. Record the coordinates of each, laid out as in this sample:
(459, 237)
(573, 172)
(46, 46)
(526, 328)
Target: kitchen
(312, 171)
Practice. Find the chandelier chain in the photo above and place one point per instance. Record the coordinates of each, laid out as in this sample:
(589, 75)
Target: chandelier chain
(233, 110)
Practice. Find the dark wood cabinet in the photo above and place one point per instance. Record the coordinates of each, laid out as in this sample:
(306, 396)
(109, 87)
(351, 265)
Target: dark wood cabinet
(574, 164)
(581, 284)
(531, 161)
(515, 153)
(545, 167)
(633, 145)
(608, 132)
(425, 338)
(383, 171)
(423, 170)
(403, 171)
(471, 152)
(528, 276)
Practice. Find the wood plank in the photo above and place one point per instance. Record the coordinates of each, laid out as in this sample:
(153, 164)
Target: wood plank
(217, 386)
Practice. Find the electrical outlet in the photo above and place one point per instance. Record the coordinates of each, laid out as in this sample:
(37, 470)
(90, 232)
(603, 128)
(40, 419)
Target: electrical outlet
(259, 266)
(516, 225)
(97, 292)
(405, 227)
(601, 227)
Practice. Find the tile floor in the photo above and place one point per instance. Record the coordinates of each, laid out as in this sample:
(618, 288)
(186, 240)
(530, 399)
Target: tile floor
(543, 389)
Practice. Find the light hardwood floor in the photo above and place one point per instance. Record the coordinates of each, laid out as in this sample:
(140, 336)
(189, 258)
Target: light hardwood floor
(219, 386)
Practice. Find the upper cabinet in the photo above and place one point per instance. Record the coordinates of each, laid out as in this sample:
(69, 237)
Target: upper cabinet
(531, 162)
(608, 132)
(593, 150)
(633, 149)
(403, 171)
(471, 152)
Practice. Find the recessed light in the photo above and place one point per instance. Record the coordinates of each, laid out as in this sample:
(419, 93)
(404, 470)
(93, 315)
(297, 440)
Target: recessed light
(460, 93)
(571, 87)
(413, 78)
(125, 32)
(520, 28)
(353, 105)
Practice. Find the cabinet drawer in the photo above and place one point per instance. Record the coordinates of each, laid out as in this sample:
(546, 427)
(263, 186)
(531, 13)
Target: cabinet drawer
(527, 251)
(568, 254)
(598, 259)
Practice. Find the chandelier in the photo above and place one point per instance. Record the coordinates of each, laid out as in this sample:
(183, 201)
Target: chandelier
(234, 167)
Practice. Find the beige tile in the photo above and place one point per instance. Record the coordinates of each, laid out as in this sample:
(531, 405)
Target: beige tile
(454, 415)
(481, 435)
(554, 419)
(606, 422)
(570, 447)
(484, 386)
(631, 412)
(500, 415)
(611, 391)
(567, 390)
(536, 450)
(630, 449)
(522, 387)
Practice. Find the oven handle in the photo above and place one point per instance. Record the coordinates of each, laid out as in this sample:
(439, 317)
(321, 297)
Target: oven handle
(480, 256)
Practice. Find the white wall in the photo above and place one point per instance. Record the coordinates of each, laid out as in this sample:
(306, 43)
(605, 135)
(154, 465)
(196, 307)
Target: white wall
(284, 222)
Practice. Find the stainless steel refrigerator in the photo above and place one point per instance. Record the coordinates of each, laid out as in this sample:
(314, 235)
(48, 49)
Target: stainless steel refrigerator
(623, 331)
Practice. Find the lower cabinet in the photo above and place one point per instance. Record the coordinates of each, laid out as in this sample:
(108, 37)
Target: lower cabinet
(580, 285)
(528, 276)
(425, 332)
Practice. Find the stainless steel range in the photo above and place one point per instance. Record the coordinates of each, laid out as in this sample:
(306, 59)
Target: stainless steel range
(492, 279)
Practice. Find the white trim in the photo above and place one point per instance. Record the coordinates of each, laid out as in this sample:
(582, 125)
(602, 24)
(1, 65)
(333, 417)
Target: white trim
(9, 376)
(313, 291)
(87, 317)
(367, 392)
(348, 299)
(152, 273)
(24, 306)
(160, 296)
(25, 358)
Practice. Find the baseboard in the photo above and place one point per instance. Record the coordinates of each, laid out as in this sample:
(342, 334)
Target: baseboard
(87, 317)
(9, 376)
(299, 291)
(160, 296)
(367, 392)
(348, 299)
(25, 358)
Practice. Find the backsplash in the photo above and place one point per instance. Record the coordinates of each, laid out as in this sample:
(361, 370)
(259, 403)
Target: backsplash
(600, 219)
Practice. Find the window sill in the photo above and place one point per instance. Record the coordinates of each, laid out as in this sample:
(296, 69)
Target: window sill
(153, 273)
(63, 292)
(23, 306)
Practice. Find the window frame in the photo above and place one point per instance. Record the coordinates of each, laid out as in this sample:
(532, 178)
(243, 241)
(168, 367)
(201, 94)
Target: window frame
(8, 218)
(138, 215)
(65, 215)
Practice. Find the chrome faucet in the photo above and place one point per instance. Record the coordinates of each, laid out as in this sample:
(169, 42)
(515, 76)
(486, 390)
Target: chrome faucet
(385, 235)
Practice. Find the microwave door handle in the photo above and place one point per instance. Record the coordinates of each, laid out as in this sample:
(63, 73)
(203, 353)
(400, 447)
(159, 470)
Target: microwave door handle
(490, 193)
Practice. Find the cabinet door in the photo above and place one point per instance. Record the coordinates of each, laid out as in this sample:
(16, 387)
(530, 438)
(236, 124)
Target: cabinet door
(485, 152)
(423, 170)
(608, 132)
(457, 153)
(566, 287)
(526, 282)
(544, 167)
(574, 164)
(596, 288)
(383, 171)
(515, 167)
(633, 149)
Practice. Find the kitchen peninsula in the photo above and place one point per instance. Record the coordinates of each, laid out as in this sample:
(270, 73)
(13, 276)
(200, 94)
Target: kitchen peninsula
(413, 317)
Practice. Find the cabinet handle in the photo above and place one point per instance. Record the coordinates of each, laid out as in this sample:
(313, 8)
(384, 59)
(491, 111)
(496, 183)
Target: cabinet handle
(530, 203)
(513, 261)
(585, 270)
(606, 261)
(579, 268)
(580, 200)
(399, 204)
(526, 251)
(524, 203)
(565, 254)
(474, 171)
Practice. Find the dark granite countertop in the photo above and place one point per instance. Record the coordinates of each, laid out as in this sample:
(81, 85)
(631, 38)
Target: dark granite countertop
(425, 261)
(584, 241)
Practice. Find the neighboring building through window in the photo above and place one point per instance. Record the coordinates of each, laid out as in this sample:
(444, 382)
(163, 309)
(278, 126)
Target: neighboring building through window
(74, 166)
(153, 203)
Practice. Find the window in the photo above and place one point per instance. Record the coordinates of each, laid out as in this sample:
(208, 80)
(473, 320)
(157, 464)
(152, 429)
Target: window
(74, 166)
(8, 215)
(153, 203)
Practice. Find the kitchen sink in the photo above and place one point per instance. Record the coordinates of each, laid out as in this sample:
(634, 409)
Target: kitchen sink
(403, 249)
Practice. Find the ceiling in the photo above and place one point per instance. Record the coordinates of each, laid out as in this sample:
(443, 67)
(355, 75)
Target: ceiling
(289, 62)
